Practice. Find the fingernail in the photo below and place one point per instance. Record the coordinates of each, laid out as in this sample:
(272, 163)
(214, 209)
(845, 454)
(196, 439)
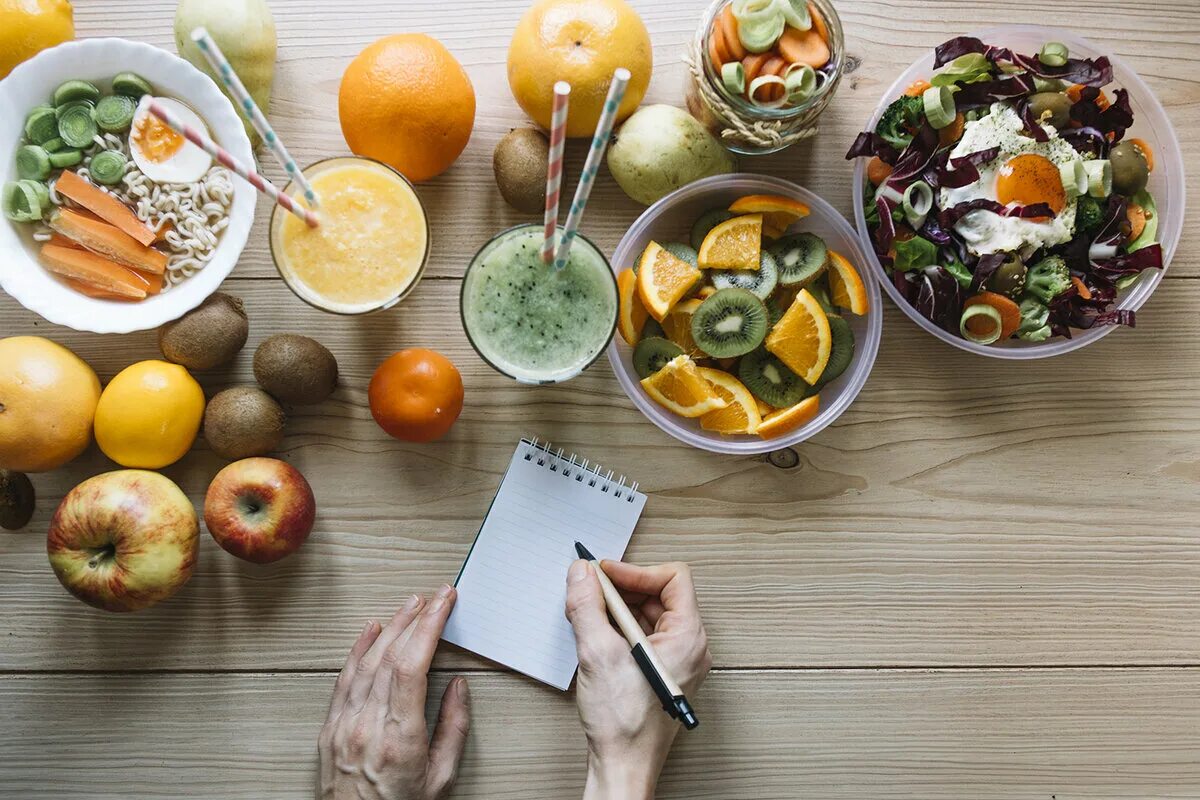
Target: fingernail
(412, 603)
(464, 692)
(445, 591)
(578, 571)
(439, 600)
(369, 626)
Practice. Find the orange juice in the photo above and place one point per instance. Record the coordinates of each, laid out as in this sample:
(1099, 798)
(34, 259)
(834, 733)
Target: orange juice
(371, 244)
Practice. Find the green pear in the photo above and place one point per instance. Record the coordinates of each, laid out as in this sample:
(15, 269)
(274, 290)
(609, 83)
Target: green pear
(245, 32)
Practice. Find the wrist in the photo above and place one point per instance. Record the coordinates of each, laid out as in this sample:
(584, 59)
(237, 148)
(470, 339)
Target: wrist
(620, 778)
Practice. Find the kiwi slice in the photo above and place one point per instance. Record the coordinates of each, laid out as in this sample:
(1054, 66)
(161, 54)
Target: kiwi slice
(652, 354)
(730, 323)
(801, 257)
(770, 380)
(707, 221)
(760, 283)
(841, 352)
(652, 328)
(820, 290)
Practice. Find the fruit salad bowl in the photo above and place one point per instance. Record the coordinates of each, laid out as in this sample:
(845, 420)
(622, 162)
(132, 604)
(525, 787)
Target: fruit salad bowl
(30, 84)
(670, 220)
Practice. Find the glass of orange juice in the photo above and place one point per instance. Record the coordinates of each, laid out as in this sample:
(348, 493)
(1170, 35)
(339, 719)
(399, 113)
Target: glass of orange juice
(370, 247)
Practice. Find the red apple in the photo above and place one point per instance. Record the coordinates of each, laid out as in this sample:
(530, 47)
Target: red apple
(259, 509)
(124, 540)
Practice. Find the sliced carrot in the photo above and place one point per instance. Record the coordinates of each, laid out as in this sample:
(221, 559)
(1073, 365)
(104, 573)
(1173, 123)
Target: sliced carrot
(818, 23)
(917, 88)
(775, 65)
(803, 47)
(91, 268)
(753, 64)
(717, 43)
(1010, 312)
(1082, 288)
(878, 170)
(93, 291)
(1075, 93)
(714, 51)
(108, 241)
(105, 206)
(729, 32)
(952, 132)
(1147, 152)
(1137, 220)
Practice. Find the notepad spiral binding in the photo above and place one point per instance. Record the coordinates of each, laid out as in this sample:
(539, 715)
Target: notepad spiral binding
(571, 467)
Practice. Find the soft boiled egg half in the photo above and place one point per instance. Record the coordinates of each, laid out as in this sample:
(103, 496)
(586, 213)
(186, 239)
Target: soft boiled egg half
(161, 154)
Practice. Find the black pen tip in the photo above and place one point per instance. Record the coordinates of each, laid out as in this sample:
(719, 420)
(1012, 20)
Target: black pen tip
(584, 552)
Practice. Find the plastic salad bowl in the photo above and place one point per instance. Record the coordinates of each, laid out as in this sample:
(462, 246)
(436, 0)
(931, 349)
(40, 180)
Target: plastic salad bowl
(1166, 184)
(670, 219)
(29, 85)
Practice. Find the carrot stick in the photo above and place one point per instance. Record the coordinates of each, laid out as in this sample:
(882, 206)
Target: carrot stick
(91, 268)
(62, 241)
(108, 240)
(1010, 312)
(803, 47)
(729, 32)
(878, 170)
(103, 205)
(93, 291)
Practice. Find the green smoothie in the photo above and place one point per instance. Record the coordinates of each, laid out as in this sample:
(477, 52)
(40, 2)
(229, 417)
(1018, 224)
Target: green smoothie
(530, 321)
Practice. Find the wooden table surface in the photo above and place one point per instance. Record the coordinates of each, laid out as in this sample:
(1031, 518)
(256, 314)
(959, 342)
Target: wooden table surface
(982, 581)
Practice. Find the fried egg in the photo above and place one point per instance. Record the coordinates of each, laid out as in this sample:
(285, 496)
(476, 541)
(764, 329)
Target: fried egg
(1026, 172)
(161, 154)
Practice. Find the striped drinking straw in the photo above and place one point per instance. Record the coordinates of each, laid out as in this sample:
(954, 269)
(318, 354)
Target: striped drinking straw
(558, 136)
(220, 154)
(616, 91)
(258, 120)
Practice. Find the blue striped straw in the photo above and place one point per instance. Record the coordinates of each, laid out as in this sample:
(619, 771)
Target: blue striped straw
(616, 91)
(221, 66)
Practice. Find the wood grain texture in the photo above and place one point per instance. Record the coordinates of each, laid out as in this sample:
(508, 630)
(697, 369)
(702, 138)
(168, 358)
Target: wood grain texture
(963, 511)
(936, 735)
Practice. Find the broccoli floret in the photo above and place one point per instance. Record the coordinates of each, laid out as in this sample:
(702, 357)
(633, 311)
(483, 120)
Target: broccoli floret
(900, 121)
(1088, 214)
(1035, 316)
(1048, 278)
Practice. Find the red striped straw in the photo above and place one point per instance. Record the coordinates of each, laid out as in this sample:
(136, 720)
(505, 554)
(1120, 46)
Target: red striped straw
(221, 155)
(558, 137)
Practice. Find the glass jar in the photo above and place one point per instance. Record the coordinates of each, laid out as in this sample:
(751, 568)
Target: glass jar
(746, 127)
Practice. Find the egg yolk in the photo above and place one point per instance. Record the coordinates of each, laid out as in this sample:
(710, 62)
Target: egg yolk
(155, 139)
(1029, 179)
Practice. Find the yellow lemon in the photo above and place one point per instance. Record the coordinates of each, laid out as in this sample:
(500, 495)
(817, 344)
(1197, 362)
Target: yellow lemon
(149, 415)
(28, 27)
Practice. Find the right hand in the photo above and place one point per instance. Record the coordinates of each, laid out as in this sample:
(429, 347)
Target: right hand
(627, 730)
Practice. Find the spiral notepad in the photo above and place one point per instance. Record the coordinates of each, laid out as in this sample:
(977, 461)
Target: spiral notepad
(512, 587)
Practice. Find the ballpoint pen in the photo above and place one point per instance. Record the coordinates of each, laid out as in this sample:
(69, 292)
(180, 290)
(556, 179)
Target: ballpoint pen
(668, 690)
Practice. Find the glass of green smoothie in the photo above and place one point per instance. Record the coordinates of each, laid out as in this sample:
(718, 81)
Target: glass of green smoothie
(534, 323)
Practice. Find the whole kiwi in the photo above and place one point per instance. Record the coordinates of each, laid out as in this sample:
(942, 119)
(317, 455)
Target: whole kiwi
(519, 162)
(208, 336)
(295, 369)
(16, 500)
(242, 422)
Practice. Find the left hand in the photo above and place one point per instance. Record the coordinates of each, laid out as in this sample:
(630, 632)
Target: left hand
(374, 745)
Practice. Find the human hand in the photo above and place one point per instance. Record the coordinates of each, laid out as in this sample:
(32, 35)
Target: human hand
(627, 730)
(374, 744)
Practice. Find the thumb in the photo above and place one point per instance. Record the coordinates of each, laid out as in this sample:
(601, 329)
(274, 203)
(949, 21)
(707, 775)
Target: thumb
(450, 736)
(587, 613)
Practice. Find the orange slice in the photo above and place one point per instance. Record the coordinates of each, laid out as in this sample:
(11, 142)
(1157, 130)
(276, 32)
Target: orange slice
(632, 316)
(679, 388)
(763, 408)
(734, 244)
(678, 327)
(845, 285)
(663, 280)
(741, 415)
(778, 211)
(801, 339)
(789, 419)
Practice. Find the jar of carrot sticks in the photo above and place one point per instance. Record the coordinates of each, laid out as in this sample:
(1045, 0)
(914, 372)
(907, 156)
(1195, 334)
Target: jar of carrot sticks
(762, 71)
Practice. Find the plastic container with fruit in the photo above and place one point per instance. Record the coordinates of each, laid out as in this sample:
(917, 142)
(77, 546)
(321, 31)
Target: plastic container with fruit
(739, 360)
(762, 71)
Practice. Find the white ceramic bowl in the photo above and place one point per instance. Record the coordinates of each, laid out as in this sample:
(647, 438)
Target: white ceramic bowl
(670, 219)
(31, 84)
(1151, 123)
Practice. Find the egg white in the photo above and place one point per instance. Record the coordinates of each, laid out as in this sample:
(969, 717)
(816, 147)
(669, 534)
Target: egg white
(186, 165)
(984, 231)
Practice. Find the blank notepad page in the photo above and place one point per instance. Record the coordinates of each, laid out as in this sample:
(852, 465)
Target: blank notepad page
(512, 587)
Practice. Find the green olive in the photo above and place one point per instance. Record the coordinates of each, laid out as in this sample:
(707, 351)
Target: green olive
(1009, 278)
(1057, 103)
(1129, 169)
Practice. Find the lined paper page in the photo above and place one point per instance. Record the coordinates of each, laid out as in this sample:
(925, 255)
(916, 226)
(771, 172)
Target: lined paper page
(512, 588)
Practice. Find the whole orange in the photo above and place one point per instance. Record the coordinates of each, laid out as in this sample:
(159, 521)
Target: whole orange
(416, 395)
(407, 102)
(581, 42)
(48, 399)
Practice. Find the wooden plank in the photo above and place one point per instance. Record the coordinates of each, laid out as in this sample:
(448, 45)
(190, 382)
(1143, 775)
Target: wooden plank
(964, 511)
(936, 735)
(317, 41)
